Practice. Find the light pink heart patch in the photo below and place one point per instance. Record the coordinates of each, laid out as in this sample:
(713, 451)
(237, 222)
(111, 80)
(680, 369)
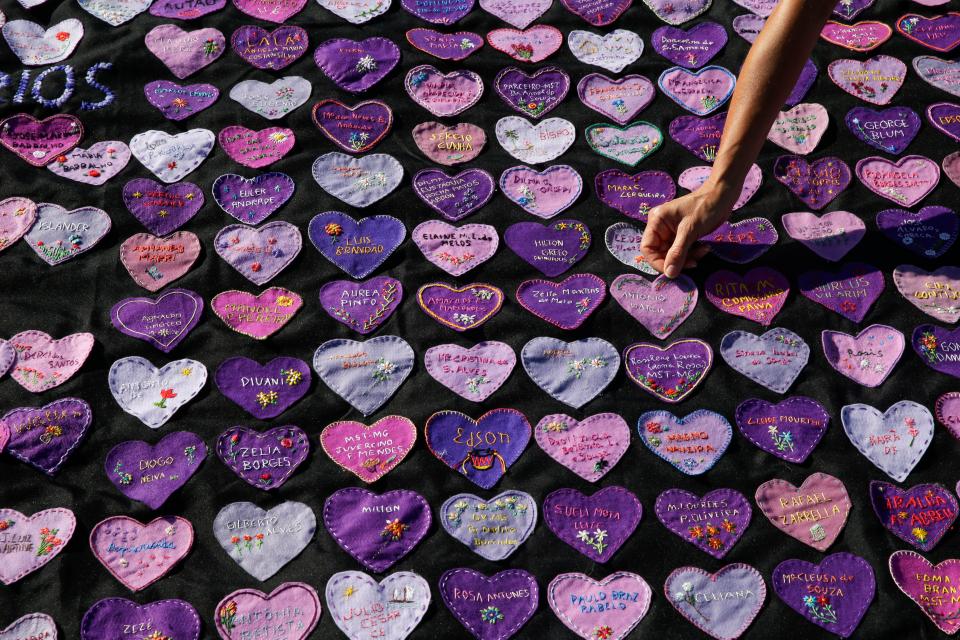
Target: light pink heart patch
(369, 451)
(443, 94)
(185, 52)
(473, 373)
(139, 554)
(906, 181)
(44, 362)
(867, 358)
(590, 447)
(694, 177)
(17, 215)
(620, 99)
(516, 14)
(700, 92)
(860, 36)
(256, 149)
(535, 44)
(936, 293)
(40, 539)
(258, 316)
(449, 145)
(456, 250)
(661, 305)
(951, 167)
(830, 236)
(542, 193)
(94, 165)
(875, 80)
(814, 513)
(155, 262)
(799, 129)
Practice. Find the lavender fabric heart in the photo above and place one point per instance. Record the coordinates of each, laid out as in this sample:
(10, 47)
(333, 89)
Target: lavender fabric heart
(362, 306)
(445, 46)
(456, 250)
(675, 14)
(443, 94)
(473, 373)
(160, 208)
(179, 102)
(551, 249)
(938, 348)
(906, 181)
(32, 542)
(851, 291)
(790, 429)
(357, 65)
(535, 143)
(625, 597)
(272, 100)
(43, 362)
(613, 51)
(185, 10)
(597, 13)
(449, 145)
(661, 306)
(163, 321)
(365, 374)
(701, 92)
(566, 304)
(573, 372)
(891, 130)
(815, 183)
(623, 241)
(800, 129)
(634, 195)
(590, 447)
(354, 129)
(8, 356)
(185, 52)
(252, 200)
(358, 248)
(140, 554)
(112, 617)
(757, 295)
(831, 236)
(172, 157)
(462, 590)
(713, 523)
(936, 293)
(447, 13)
(532, 94)
(154, 262)
(402, 597)
(358, 181)
(34, 45)
(454, 197)
(628, 145)
(875, 80)
(774, 359)
(929, 232)
(920, 515)
(355, 11)
(493, 529)
(742, 241)
(894, 440)
(17, 216)
(722, 604)
(692, 444)
(699, 136)
(32, 625)
(516, 15)
(263, 541)
(867, 358)
(44, 437)
(259, 253)
(695, 177)
(273, 50)
(460, 308)
(849, 9)
(669, 373)
(691, 48)
(617, 99)
(153, 394)
(94, 165)
(263, 460)
(821, 499)
(59, 235)
(152, 473)
(263, 390)
(596, 525)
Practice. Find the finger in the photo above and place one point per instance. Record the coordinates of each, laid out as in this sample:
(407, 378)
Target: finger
(677, 255)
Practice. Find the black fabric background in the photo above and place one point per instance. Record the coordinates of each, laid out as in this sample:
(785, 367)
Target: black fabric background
(77, 296)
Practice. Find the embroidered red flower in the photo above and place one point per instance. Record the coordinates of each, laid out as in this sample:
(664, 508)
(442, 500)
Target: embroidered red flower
(61, 159)
(63, 36)
(94, 173)
(255, 267)
(172, 164)
(286, 443)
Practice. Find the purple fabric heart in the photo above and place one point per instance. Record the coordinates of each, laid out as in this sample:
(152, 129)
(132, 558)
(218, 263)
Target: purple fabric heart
(867, 358)
(660, 306)
(185, 9)
(929, 232)
(849, 9)
(757, 295)
(139, 554)
(456, 250)
(163, 321)
(454, 197)
(542, 193)
(940, 33)
(357, 65)
(151, 473)
(179, 102)
(443, 94)
(938, 348)
(945, 117)
(362, 306)
(938, 72)
(481, 450)
(493, 529)
(690, 48)
(815, 183)
(619, 100)
(162, 208)
(354, 129)
(669, 373)
(473, 373)
(578, 519)
(808, 76)
(31, 542)
(259, 253)
(272, 50)
(674, 13)
(790, 429)
(722, 604)
(915, 576)
(445, 46)
(252, 200)
(516, 15)
(185, 52)
(920, 515)
(449, 145)
(894, 440)
(94, 165)
(263, 390)
(906, 181)
(446, 13)
(355, 517)
(600, 13)
(890, 130)
(623, 241)
(933, 292)
(590, 447)
(263, 460)
(278, 11)
(712, 523)
(573, 372)
(566, 304)
(700, 136)
(44, 437)
(365, 374)
(39, 142)
(851, 291)
(875, 80)
(773, 360)
(742, 241)
(532, 94)
(460, 308)
(356, 247)
(113, 617)
(748, 26)
(831, 236)
(297, 603)
(464, 591)
(692, 444)
(634, 195)
(551, 249)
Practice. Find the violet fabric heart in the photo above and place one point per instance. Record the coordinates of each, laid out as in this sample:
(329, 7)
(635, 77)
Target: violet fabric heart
(270, 10)
(185, 52)
(362, 306)
(911, 572)
(790, 429)
(849, 9)
(841, 610)
(44, 437)
(742, 241)
(94, 165)
(358, 181)
(617, 99)
(519, 16)
(627, 594)
(936, 293)
(552, 249)
(762, 8)
(496, 440)
(694, 177)
(263, 390)
(456, 250)
(691, 48)
(890, 130)
(42, 362)
(369, 451)
(676, 14)
(533, 94)
(460, 308)
(920, 515)
(32, 625)
(799, 129)
(623, 241)
(151, 394)
(259, 253)
(139, 554)
(354, 129)
(258, 316)
(34, 45)
(240, 613)
(355, 517)
(172, 157)
(597, 13)
(535, 44)
(862, 36)
(940, 33)
(906, 181)
(700, 92)
(659, 430)
(152, 473)
(867, 358)
(493, 529)
(272, 50)
(757, 295)
(668, 373)
(566, 304)
(449, 145)
(938, 348)
(815, 183)
(821, 500)
(808, 76)
(705, 598)
(162, 322)
(365, 374)
(263, 460)
(39, 142)
(272, 100)
(154, 262)
(634, 195)
(748, 26)
(510, 614)
(660, 306)
(875, 80)
(357, 247)
(161, 208)
(17, 215)
(850, 291)
(447, 13)
(831, 235)
(446, 46)
(590, 447)
(263, 541)
(357, 65)
(185, 10)
(929, 232)
(573, 372)
(945, 117)
(33, 541)
(473, 373)
(773, 359)
(454, 197)
(613, 51)
(252, 200)
(58, 235)
(596, 525)
(873, 433)
(713, 523)
(256, 149)
(628, 145)
(535, 143)
(951, 167)
(350, 591)
(443, 94)
(111, 617)
(699, 136)
(179, 102)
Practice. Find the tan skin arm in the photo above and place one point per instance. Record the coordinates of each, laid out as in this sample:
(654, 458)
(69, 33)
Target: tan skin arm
(766, 79)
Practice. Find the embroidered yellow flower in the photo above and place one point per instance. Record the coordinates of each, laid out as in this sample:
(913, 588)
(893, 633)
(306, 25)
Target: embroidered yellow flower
(284, 301)
(278, 136)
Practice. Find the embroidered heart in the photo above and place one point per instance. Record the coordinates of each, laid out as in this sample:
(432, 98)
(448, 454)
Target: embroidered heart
(830, 236)
(815, 183)
(851, 8)
(875, 80)
(839, 612)
(515, 513)
(862, 36)
(449, 145)
(456, 250)
(669, 373)
(813, 513)
(694, 177)
(890, 130)
(151, 473)
(358, 248)
(41, 537)
(172, 157)
(762, 8)
(909, 570)
(664, 434)
(542, 193)
(799, 129)
(712, 523)
(43, 362)
(566, 304)
(8, 356)
(790, 429)
(162, 322)
(496, 440)
(573, 372)
(355, 11)
(851, 291)
(460, 308)
(271, 11)
(185, 10)
(154, 262)
(263, 541)
(906, 181)
(748, 26)
(742, 241)
(357, 181)
(35, 45)
(551, 249)
(874, 434)
(920, 515)
(273, 50)
(618, 100)
(40, 142)
(349, 589)
(757, 295)
(703, 598)
(532, 94)
(945, 117)
(263, 390)
(942, 74)
(951, 167)
(110, 617)
(369, 451)
(940, 33)
(516, 15)
(938, 348)
(691, 48)
(263, 460)
(126, 548)
(447, 46)
(256, 149)
(443, 94)
(590, 447)
(17, 215)
(258, 316)
(354, 517)
(259, 253)
(535, 44)
(94, 165)
(357, 65)
(597, 13)
(160, 208)
(58, 235)
(365, 374)
(185, 52)
(613, 51)
(631, 593)
(661, 306)
(512, 614)
(674, 13)
(623, 242)
(44, 437)
(699, 136)
(239, 613)
(629, 144)
(32, 625)
(535, 143)
(252, 200)
(454, 197)
(354, 129)
(634, 195)
(614, 513)
(867, 358)
(114, 13)
(473, 373)
(362, 306)
(272, 100)
(773, 360)
(700, 92)
(438, 14)
(936, 293)
(153, 395)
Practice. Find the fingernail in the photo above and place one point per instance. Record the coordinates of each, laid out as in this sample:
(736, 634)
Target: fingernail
(671, 271)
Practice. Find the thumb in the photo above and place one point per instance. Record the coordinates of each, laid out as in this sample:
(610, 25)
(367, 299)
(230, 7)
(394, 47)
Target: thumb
(677, 255)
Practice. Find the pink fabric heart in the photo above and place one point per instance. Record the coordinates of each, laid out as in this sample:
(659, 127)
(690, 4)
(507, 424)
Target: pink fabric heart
(590, 447)
(17, 215)
(906, 181)
(44, 363)
(799, 129)
(155, 262)
(258, 316)
(369, 451)
(39, 539)
(256, 149)
(139, 554)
